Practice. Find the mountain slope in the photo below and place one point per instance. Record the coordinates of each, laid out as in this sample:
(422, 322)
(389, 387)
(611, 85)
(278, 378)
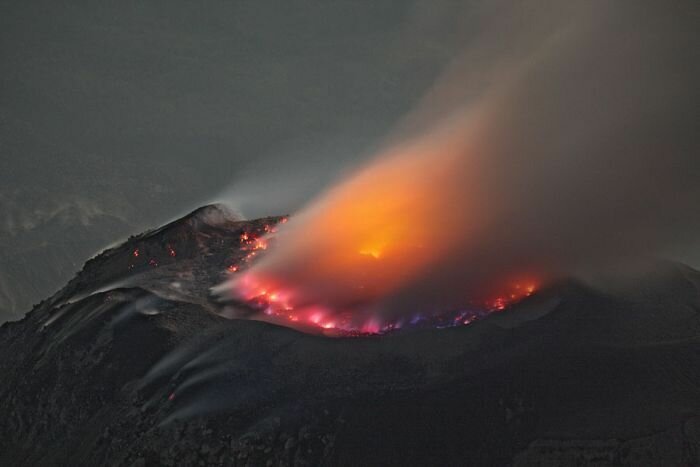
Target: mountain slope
(131, 364)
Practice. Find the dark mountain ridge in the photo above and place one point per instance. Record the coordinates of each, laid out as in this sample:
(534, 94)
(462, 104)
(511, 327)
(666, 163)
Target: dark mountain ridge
(131, 364)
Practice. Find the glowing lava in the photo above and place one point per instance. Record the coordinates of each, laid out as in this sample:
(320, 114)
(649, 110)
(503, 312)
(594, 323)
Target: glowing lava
(277, 306)
(284, 305)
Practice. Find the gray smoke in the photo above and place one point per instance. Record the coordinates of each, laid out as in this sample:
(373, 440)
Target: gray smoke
(569, 132)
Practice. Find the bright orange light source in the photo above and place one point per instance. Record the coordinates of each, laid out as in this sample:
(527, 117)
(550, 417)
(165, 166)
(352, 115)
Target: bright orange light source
(375, 253)
(379, 233)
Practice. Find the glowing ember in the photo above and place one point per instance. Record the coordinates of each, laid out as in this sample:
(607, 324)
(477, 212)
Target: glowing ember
(276, 304)
(276, 307)
(284, 304)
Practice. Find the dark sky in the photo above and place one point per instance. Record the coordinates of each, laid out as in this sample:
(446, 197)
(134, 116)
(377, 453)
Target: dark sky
(196, 92)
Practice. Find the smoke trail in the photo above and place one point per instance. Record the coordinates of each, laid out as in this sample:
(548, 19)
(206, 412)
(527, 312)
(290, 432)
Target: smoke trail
(565, 135)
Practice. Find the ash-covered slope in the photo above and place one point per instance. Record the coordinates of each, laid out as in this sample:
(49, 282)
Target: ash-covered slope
(130, 364)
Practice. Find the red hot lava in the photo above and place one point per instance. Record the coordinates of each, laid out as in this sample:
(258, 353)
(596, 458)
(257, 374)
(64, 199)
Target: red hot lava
(275, 303)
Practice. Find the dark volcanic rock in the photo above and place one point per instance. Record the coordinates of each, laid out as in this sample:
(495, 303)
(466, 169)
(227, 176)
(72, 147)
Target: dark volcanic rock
(130, 364)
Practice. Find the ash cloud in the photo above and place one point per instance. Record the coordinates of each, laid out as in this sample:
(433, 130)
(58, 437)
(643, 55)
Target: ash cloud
(563, 137)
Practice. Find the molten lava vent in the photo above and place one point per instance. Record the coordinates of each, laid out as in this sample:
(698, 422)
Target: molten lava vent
(285, 303)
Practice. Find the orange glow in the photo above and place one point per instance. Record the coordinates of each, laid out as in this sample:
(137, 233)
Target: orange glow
(381, 232)
(374, 252)
(371, 235)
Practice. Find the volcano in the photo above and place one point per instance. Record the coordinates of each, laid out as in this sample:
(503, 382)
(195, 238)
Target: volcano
(137, 362)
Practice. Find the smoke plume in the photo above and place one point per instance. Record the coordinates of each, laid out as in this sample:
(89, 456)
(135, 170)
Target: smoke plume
(564, 136)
